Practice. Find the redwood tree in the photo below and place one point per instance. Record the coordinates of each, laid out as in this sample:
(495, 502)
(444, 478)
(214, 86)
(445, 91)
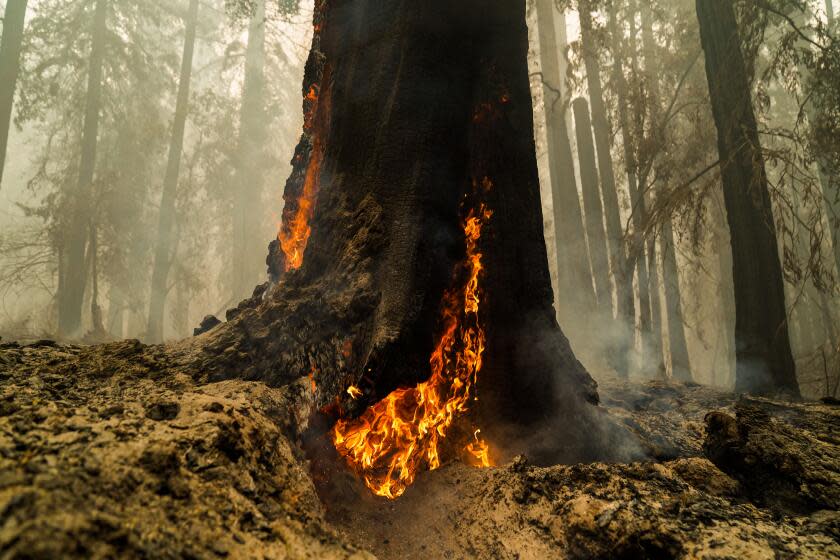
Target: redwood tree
(764, 362)
(415, 112)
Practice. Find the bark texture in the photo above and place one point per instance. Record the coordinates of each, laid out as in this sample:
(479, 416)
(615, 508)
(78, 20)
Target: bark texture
(419, 106)
(764, 358)
(13, 19)
(164, 252)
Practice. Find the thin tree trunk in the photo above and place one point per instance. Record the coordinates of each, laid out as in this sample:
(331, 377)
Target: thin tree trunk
(631, 169)
(575, 284)
(598, 248)
(680, 364)
(764, 358)
(13, 20)
(829, 10)
(97, 326)
(248, 249)
(671, 296)
(164, 248)
(116, 312)
(181, 310)
(609, 192)
(827, 182)
(727, 290)
(654, 286)
(73, 283)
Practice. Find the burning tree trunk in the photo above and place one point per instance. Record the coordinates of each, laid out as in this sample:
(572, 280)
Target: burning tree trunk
(412, 265)
(764, 360)
(13, 19)
(572, 259)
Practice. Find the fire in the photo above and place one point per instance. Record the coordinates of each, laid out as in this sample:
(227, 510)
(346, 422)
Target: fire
(294, 235)
(479, 452)
(312, 384)
(354, 392)
(392, 439)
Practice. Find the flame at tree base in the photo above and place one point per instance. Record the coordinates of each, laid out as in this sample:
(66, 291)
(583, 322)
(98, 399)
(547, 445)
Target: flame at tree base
(396, 437)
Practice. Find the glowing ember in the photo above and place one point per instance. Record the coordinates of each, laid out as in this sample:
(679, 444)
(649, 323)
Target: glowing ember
(392, 440)
(354, 392)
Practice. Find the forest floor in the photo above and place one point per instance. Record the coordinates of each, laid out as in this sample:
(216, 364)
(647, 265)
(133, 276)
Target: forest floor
(111, 452)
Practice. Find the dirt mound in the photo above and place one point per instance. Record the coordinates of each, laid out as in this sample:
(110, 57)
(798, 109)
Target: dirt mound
(102, 457)
(111, 451)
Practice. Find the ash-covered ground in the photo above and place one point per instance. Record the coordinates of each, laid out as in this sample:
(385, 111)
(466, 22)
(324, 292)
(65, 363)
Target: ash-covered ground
(111, 452)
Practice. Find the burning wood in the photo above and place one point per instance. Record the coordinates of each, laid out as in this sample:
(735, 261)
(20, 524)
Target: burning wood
(394, 438)
(295, 232)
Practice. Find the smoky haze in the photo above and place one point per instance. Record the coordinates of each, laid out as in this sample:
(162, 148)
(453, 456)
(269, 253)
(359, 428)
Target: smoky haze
(243, 120)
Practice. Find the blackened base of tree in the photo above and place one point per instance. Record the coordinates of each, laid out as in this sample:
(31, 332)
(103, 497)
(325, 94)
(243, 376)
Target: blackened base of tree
(410, 121)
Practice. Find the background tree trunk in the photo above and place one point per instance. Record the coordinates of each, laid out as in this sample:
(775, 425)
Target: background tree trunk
(575, 284)
(625, 312)
(13, 20)
(631, 170)
(764, 359)
(164, 248)
(248, 254)
(829, 10)
(73, 283)
(680, 364)
(411, 123)
(654, 109)
(598, 247)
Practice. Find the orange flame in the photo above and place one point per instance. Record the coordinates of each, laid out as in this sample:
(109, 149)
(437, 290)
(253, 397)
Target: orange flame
(392, 439)
(295, 235)
(479, 452)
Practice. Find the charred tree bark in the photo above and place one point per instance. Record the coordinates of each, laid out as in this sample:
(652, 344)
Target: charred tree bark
(572, 259)
(625, 312)
(248, 182)
(598, 247)
(13, 19)
(421, 107)
(165, 243)
(73, 270)
(764, 358)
